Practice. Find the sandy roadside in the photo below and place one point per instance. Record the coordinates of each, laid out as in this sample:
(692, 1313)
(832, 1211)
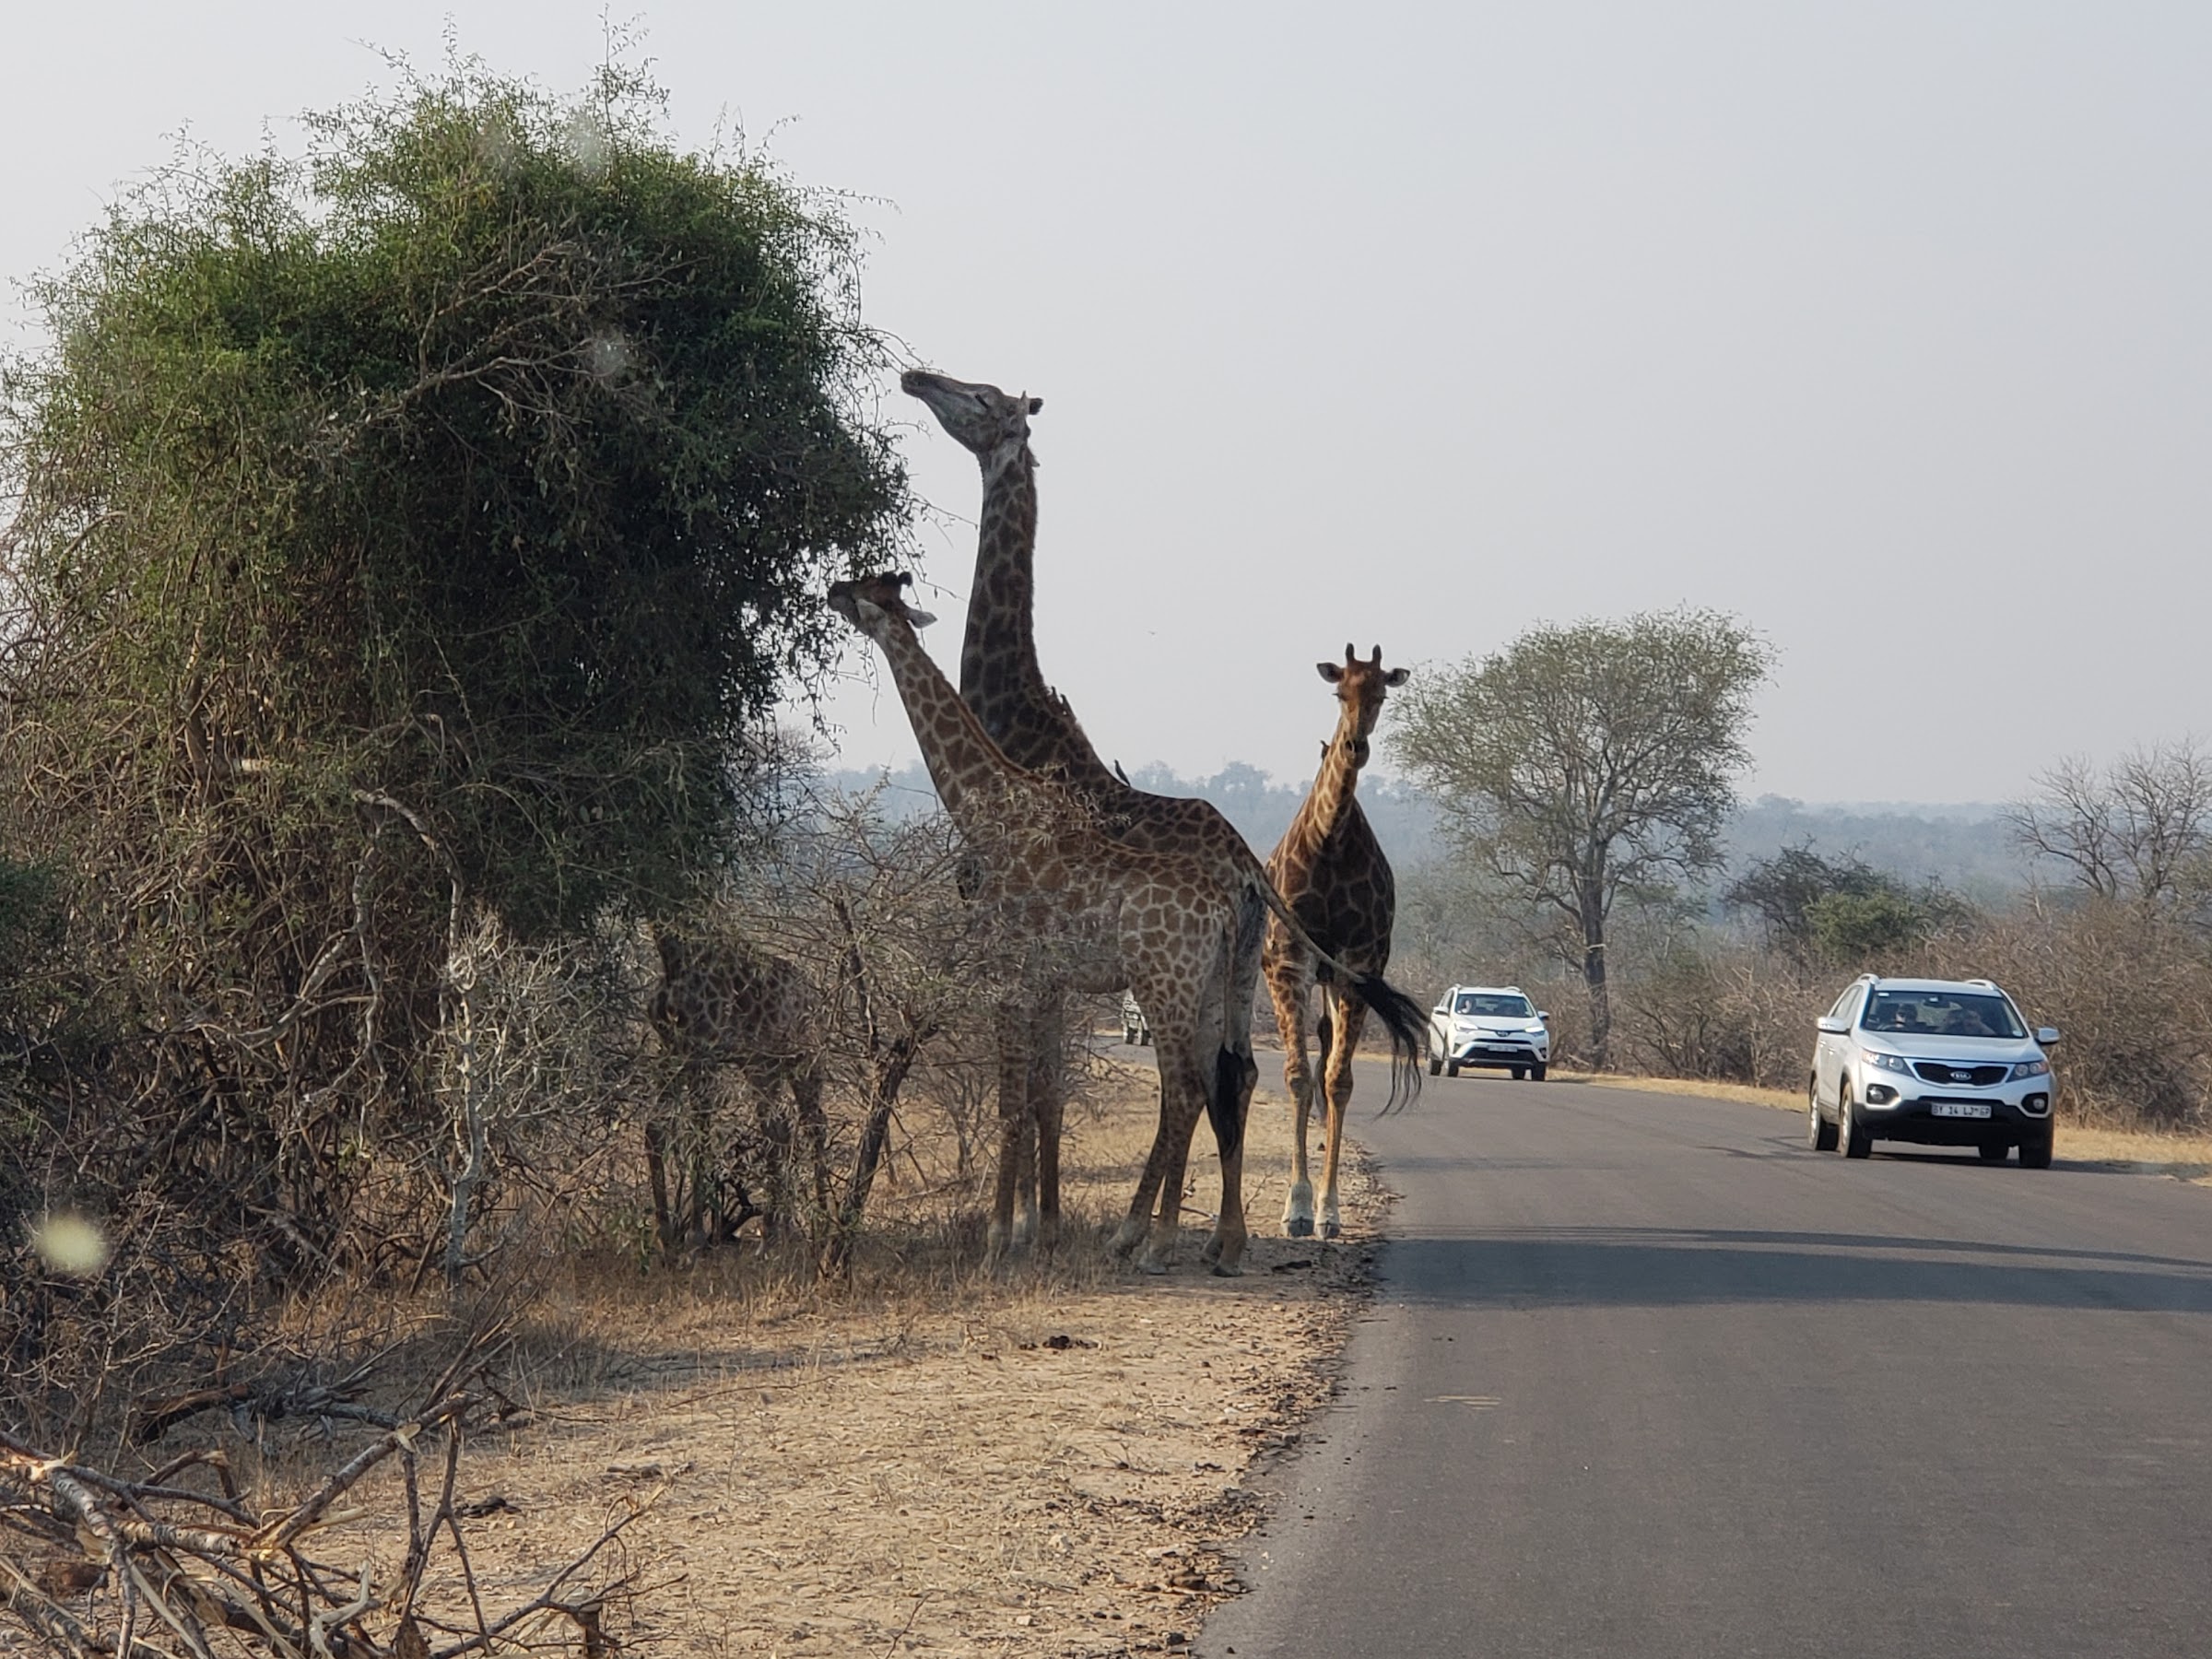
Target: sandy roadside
(1048, 1462)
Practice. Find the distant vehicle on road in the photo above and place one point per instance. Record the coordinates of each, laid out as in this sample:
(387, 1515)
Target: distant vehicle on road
(1136, 1030)
(1946, 1063)
(1492, 1025)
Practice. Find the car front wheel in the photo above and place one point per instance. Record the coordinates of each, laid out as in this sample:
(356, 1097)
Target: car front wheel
(1450, 1068)
(1519, 1073)
(1819, 1134)
(2035, 1152)
(1993, 1151)
(1851, 1135)
(1436, 1063)
(1538, 1071)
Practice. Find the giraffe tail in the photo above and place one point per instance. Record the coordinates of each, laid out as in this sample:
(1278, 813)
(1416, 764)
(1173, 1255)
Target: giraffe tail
(1406, 1023)
(1224, 1100)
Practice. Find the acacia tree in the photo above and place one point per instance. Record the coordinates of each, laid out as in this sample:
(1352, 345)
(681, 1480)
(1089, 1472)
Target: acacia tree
(408, 535)
(1589, 761)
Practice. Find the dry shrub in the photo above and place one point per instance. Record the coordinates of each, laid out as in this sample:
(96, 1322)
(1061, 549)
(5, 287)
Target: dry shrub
(2129, 990)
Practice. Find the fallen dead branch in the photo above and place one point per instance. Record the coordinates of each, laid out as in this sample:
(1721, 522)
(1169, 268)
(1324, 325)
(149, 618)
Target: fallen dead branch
(95, 1564)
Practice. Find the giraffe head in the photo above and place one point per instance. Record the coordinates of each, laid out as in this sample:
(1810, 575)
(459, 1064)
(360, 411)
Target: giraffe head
(982, 417)
(870, 602)
(1361, 688)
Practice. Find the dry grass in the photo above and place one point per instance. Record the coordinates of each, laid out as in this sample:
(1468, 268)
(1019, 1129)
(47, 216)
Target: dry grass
(936, 1460)
(2180, 1156)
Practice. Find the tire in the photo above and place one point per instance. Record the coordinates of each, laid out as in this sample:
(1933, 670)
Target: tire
(1819, 1134)
(1538, 1071)
(2035, 1152)
(1854, 1137)
(1436, 1063)
(1520, 1072)
(1450, 1068)
(1994, 1151)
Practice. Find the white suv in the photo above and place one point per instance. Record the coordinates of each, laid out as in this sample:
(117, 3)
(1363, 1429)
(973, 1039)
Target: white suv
(1488, 1025)
(1947, 1063)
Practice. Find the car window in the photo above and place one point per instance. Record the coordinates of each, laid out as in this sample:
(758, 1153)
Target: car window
(1941, 1014)
(1492, 1005)
(1842, 1008)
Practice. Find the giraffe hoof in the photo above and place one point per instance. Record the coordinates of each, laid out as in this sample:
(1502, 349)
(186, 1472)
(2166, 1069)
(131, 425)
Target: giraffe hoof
(1227, 1270)
(1298, 1227)
(1329, 1229)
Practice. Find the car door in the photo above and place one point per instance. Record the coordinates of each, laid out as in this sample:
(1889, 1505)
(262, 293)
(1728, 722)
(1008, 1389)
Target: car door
(1832, 1052)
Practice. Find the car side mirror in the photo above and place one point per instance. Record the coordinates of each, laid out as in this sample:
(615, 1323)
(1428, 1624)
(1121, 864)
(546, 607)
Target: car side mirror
(1833, 1027)
(2045, 1036)
(1544, 1015)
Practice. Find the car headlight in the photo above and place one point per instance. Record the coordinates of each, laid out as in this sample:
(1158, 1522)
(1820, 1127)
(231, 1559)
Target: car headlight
(1890, 1063)
(2031, 1068)
(1534, 1028)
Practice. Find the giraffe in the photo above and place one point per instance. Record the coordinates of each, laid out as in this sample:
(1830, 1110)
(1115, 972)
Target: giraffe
(1331, 872)
(1001, 679)
(1090, 912)
(720, 1003)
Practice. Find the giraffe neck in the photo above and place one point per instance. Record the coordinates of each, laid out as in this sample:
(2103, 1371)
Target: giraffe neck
(970, 771)
(1000, 677)
(1331, 799)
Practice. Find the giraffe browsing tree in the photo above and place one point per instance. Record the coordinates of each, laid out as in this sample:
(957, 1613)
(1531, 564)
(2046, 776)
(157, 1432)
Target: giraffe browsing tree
(1002, 681)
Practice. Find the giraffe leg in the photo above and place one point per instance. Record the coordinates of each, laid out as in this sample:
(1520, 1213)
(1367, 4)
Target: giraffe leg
(1013, 1124)
(1048, 1098)
(806, 1093)
(1182, 1090)
(1234, 1078)
(1287, 990)
(1225, 1251)
(1348, 1015)
(1136, 1225)
(1139, 1221)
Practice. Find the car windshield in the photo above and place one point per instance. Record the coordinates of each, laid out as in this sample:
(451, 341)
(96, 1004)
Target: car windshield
(1941, 1014)
(1492, 1005)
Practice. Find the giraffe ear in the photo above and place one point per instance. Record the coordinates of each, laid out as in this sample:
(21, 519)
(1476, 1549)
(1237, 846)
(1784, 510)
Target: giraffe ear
(1397, 677)
(920, 618)
(1332, 672)
(1036, 406)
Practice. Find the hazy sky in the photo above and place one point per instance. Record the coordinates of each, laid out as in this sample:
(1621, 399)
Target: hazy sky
(1888, 326)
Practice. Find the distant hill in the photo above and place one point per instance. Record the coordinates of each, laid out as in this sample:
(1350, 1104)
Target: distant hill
(1964, 846)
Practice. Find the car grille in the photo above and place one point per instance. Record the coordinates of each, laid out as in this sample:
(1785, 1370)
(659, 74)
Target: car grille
(1973, 1077)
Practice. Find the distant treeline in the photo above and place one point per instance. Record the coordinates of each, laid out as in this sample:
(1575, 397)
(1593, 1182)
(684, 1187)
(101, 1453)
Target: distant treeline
(1967, 847)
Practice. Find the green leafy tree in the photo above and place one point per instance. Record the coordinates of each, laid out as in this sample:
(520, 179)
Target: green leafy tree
(1590, 762)
(415, 531)
(1838, 911)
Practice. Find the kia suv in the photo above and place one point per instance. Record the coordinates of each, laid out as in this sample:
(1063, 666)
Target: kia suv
(1946, 1063)
(1494, 1026)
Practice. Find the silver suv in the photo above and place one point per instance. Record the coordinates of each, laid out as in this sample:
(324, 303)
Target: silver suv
(1947, 1063)
(1488, 1025)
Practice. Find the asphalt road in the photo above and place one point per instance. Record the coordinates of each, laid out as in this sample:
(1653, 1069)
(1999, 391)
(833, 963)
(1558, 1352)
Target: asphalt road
(1645, 1377)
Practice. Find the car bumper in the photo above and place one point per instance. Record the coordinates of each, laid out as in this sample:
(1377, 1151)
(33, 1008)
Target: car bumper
(1945, 1118)
(1498, 1051)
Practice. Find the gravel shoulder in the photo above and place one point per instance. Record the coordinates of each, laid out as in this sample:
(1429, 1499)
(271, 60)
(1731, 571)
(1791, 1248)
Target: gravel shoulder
(1047, 1461)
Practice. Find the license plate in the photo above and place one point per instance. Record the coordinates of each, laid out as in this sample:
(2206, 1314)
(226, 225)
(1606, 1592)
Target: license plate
(1959, 1107)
